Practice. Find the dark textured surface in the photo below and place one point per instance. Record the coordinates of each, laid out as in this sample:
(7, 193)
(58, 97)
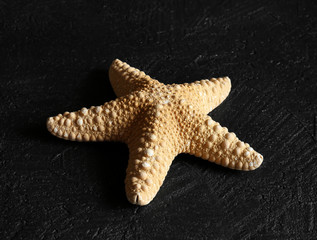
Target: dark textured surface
(55, 57)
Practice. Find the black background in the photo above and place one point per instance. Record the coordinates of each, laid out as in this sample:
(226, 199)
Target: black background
(55, 57)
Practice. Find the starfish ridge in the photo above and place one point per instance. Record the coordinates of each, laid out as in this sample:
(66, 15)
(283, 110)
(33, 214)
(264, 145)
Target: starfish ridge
(158, 122)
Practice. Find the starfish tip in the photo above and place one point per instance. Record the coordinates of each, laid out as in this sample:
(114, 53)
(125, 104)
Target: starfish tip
(138, 199)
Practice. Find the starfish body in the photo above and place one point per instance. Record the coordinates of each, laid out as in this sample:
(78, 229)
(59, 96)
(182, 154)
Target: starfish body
(158, 122)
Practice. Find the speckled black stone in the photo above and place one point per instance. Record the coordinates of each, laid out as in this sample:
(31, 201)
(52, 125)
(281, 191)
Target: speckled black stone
(55, 57)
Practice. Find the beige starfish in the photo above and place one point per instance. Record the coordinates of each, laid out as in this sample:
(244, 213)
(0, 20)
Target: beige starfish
(158, 122)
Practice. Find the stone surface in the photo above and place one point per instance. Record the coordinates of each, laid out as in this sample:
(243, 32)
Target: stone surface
(53, 57)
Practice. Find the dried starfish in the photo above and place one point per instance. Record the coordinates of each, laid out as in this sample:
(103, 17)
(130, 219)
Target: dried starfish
(158, 122)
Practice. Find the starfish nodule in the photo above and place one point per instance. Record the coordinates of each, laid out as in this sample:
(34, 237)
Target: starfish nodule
(158, 122)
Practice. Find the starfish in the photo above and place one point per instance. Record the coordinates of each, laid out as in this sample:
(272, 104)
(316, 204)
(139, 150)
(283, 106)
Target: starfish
(158, 122)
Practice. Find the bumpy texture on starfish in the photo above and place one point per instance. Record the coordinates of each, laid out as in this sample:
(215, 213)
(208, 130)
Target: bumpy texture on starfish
(158, 122)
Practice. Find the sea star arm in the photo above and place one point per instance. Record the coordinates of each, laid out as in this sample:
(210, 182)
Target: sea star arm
(205, 94)
(126, 79)
(101, 123)
(146, 172)
(152, 148)
(215, 144)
